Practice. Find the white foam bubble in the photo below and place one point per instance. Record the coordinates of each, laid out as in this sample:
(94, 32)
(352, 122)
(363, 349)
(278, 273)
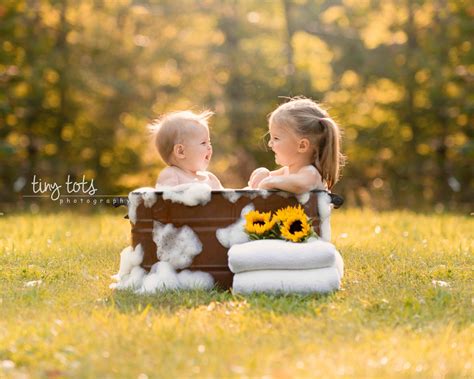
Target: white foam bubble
(129, 258)
(149, 198)
(235, 233)
(263, 193)
(195, 280)
(134, 280)
(177, 246)
(163, 278)
(145, 195)
(190, 194)
(324, 212)
(283, 194)
(303, 198)
(133, 202)
(231, 195)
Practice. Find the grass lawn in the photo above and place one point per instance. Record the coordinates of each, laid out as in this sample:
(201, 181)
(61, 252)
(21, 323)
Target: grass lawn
(405, 309)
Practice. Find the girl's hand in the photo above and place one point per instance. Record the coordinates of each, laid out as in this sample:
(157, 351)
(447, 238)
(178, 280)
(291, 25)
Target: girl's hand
(257, 176)
(267, 183)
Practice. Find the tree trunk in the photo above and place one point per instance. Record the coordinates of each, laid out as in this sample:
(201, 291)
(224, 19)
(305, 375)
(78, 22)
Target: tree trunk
(290, 69)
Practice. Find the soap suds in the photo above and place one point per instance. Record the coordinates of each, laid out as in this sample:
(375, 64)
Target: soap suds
(145, 195)
(133, 281)
(283, 194)
(231, 195)
(129, 258)
(161, 277)
(195, 280)
(235, 233)
(303, 198)
(177, 246)
(264, 193)
(324, 212)
(191, 194)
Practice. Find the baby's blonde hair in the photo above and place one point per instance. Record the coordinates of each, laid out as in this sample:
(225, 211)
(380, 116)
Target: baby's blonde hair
(308, 119)
(169, 129)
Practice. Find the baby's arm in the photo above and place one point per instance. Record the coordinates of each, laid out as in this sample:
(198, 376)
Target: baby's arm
(167, 177)
(306, 179)
(215, 182)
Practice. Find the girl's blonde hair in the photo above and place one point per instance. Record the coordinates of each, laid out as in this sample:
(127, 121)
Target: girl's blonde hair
(310, 120)
(169, 130)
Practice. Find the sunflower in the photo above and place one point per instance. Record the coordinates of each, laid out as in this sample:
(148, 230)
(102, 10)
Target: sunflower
(284, 213)
(296, 228)
(259, 223)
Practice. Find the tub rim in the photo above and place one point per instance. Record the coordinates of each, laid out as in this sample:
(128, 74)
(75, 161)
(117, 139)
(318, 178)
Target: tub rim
(336, 200)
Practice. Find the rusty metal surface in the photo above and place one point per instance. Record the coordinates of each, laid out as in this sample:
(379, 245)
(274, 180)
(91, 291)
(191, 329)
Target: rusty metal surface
(205, 220)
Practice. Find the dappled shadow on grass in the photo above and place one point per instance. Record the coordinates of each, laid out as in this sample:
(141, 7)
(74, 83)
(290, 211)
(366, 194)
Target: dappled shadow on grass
(173, 301)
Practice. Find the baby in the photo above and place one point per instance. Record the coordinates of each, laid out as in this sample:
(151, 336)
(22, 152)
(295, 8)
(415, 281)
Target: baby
(183, 142)
(306, 142)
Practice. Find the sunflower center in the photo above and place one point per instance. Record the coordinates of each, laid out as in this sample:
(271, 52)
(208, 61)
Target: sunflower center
(259, 222)
(296, 226)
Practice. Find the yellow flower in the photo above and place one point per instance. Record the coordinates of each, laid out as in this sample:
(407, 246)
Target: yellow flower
(290, 223)
(259, 222)
(283, 214)
(295, 228)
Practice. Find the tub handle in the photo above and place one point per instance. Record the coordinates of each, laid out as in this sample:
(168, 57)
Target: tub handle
(336, 200)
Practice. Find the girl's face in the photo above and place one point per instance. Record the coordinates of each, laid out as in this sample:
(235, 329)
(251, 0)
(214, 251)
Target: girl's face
(284, 143)
(197, 149)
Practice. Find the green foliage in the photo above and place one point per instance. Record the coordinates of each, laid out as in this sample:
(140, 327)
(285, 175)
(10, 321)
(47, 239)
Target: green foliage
(80, 80)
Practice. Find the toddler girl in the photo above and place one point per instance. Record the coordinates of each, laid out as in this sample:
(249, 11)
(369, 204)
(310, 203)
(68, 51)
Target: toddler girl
(306, 142)
(183, 142)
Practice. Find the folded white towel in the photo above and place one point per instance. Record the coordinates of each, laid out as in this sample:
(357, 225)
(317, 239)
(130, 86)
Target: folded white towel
(320, 280)
(339, 263)
(278, 254)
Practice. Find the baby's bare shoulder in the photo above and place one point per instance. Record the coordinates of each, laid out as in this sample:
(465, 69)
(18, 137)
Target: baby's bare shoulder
(215, 182)
(169, 176)
(170, 171)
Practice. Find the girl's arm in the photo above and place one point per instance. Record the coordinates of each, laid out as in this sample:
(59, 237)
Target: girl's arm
(261, 173)
(306, 179)
(280, 171)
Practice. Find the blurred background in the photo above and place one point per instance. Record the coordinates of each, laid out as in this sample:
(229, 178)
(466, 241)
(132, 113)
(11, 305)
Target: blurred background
(80, 80)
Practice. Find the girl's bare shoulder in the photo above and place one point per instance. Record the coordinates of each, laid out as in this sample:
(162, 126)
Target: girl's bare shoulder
(313, 174)
(310, 169)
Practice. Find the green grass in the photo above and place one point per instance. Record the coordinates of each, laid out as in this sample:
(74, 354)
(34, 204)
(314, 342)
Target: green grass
(389, 319)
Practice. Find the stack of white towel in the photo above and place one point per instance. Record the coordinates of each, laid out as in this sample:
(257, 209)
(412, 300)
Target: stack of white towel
(276, 266)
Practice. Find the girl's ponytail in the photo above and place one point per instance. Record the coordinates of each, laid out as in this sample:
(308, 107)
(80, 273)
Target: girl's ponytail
(329, 158)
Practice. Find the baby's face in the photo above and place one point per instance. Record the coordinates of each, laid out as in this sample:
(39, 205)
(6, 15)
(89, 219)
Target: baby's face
(284, 144)
(197, 149)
